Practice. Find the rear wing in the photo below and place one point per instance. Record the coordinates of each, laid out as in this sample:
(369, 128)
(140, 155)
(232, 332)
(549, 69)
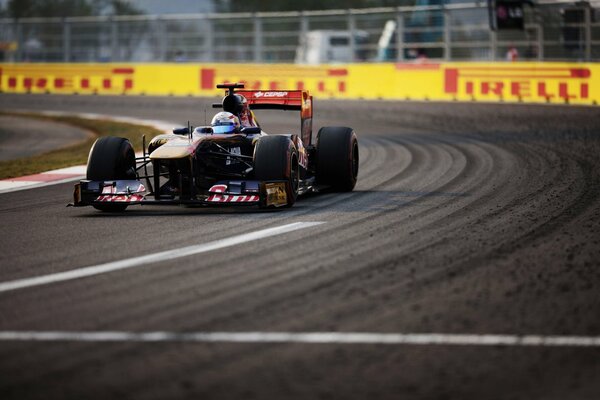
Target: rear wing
(299, 100)
(276, 100)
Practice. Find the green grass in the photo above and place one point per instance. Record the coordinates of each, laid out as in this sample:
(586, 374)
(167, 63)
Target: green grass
(76, 154)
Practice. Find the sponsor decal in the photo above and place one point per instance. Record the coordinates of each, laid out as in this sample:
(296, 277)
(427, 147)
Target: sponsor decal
(547, 83)
(276, 194)
(226, 198)
(68, 80)
(110, 194)
(317, 80)
(121, 198)
(302, 157)
(270, 94)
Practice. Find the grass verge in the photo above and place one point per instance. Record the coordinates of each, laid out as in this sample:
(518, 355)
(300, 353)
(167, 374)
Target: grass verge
(76, 154)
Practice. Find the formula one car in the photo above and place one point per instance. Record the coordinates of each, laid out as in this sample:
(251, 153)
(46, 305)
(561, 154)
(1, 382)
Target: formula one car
(226, 163)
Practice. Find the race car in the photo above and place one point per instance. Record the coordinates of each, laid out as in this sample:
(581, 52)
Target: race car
(231, 162)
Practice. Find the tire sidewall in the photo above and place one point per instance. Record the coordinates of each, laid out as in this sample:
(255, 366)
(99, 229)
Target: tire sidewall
(111, 158)
(337, 158)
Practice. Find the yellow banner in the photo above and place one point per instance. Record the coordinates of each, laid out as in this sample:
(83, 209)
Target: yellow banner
(572, 83)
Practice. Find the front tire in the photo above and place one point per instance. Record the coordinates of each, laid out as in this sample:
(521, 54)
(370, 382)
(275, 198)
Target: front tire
(111, 158)
(337, 158)
(276, 159)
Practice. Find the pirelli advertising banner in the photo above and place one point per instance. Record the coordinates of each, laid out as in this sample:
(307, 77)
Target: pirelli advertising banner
(560, 83)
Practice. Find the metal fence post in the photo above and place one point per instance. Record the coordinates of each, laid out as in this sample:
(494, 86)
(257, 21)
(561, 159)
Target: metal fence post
(447, 35)
(399, 36)
(258, 39)
(161, 38)
(588, 33)
(66, 41)
(114, 40)
(352, 30)
(20, 41)
(540, 42)
(493, 45)
(209, 41)
(303, 36)
(304, 24)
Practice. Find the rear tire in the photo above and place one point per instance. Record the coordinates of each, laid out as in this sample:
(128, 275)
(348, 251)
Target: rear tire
(337, 158)
(111, 158)
(276, 158)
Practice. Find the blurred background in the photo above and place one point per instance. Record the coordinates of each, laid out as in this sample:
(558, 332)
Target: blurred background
(308, 32)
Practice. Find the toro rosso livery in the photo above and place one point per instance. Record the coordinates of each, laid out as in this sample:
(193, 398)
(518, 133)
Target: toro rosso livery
(231, 162)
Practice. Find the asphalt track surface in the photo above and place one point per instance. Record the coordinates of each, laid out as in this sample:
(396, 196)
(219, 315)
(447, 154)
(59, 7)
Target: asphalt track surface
(22, 137)
(467, 219)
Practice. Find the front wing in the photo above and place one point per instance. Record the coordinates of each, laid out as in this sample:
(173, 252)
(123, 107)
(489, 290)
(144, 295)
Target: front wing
(131, 192)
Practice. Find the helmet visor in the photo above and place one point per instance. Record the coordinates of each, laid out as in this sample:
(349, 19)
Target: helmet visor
(223, 128)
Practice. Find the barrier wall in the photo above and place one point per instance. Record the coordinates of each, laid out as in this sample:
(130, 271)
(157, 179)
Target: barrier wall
(573, 83)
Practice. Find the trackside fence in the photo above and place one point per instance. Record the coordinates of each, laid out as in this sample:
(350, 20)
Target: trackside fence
(553, 31)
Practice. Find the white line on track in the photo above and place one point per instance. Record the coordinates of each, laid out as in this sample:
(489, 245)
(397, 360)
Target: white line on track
(307, 338)
(153, 258)
(8, 186)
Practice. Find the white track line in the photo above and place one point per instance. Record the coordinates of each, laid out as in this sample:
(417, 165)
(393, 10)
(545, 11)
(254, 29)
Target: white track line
(307, 338)
(12, 186)
(153, 258)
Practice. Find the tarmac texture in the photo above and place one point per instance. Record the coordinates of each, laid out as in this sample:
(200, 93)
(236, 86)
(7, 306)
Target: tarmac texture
(467, 219)
(22, 136)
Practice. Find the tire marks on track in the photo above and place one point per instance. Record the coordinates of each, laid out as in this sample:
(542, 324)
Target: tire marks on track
(428, 242)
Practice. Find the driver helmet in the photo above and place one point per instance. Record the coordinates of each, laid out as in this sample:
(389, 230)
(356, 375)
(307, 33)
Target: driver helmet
(225, 122)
